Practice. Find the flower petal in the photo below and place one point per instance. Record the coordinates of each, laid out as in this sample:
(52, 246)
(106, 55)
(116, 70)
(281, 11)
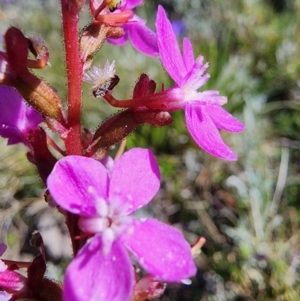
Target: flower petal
(161, 250)
(188, 54)
(33, 118)
(95, 276)
(11, 280)
(12, 114)
(120, 41)
(130, 4)
(76, 182)
(143, 39)
(13, 107)
(196, 76)
(135, 178)
(205, 132)
(168, 47)
(223, 119)
(16, 119)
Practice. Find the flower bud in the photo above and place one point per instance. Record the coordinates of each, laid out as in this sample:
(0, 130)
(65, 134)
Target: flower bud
(155, 117)
(91, 39)
(36, 92)
(124, 123)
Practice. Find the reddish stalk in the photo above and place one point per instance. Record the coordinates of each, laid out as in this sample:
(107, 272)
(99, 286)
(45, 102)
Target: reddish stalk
(74, 75)
(170, 99)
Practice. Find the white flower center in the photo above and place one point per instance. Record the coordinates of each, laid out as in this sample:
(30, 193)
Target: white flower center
(111, 220)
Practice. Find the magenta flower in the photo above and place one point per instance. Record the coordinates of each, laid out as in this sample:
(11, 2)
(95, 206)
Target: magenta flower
(142, 38)
(203, 111)
(16, 118)
(102, 269)
(10, 280)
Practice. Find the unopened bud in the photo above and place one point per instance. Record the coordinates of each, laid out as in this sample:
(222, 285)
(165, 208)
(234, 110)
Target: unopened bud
(115, 32)
(16, 49)
(124, 123)
(91, 39)
(36, 92)
(40, 96)
(155, 117)
(114, 130)
(144, 86)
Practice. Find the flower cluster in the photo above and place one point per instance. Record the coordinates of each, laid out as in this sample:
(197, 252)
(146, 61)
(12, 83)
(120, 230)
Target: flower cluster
(97, 195)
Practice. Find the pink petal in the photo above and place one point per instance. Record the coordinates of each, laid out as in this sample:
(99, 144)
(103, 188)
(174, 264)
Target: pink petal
(11, 280)
(188, 54)
(33, 118)
(143, 39)
(135, 178)
(16, 119)
(12, 115)
(205, 132)
(161, 250)
(120, 41)
(168, 47)
(223, 119)
(130, 4)
(94, 276)
(76, 182)
(196, 76)
(13, 107)
(108, 162)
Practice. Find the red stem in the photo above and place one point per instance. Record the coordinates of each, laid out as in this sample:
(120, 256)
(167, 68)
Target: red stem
(74, 75)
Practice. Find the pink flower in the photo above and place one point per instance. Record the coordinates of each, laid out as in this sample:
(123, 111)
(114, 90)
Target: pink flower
(102, 269)
(203, 110)
(10, 280)
(141, 37)
(16, 118)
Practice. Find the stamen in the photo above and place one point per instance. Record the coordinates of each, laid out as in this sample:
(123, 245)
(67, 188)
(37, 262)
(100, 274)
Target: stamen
(108, 238)
(100, 204)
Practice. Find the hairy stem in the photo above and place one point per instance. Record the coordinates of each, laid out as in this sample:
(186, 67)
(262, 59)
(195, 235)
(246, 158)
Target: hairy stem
(74, 75)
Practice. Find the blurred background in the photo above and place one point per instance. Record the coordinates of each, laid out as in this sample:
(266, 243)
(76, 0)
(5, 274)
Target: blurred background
(248, 210)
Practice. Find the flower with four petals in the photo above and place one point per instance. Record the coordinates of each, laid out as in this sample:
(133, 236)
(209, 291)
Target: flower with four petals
(104, 200)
